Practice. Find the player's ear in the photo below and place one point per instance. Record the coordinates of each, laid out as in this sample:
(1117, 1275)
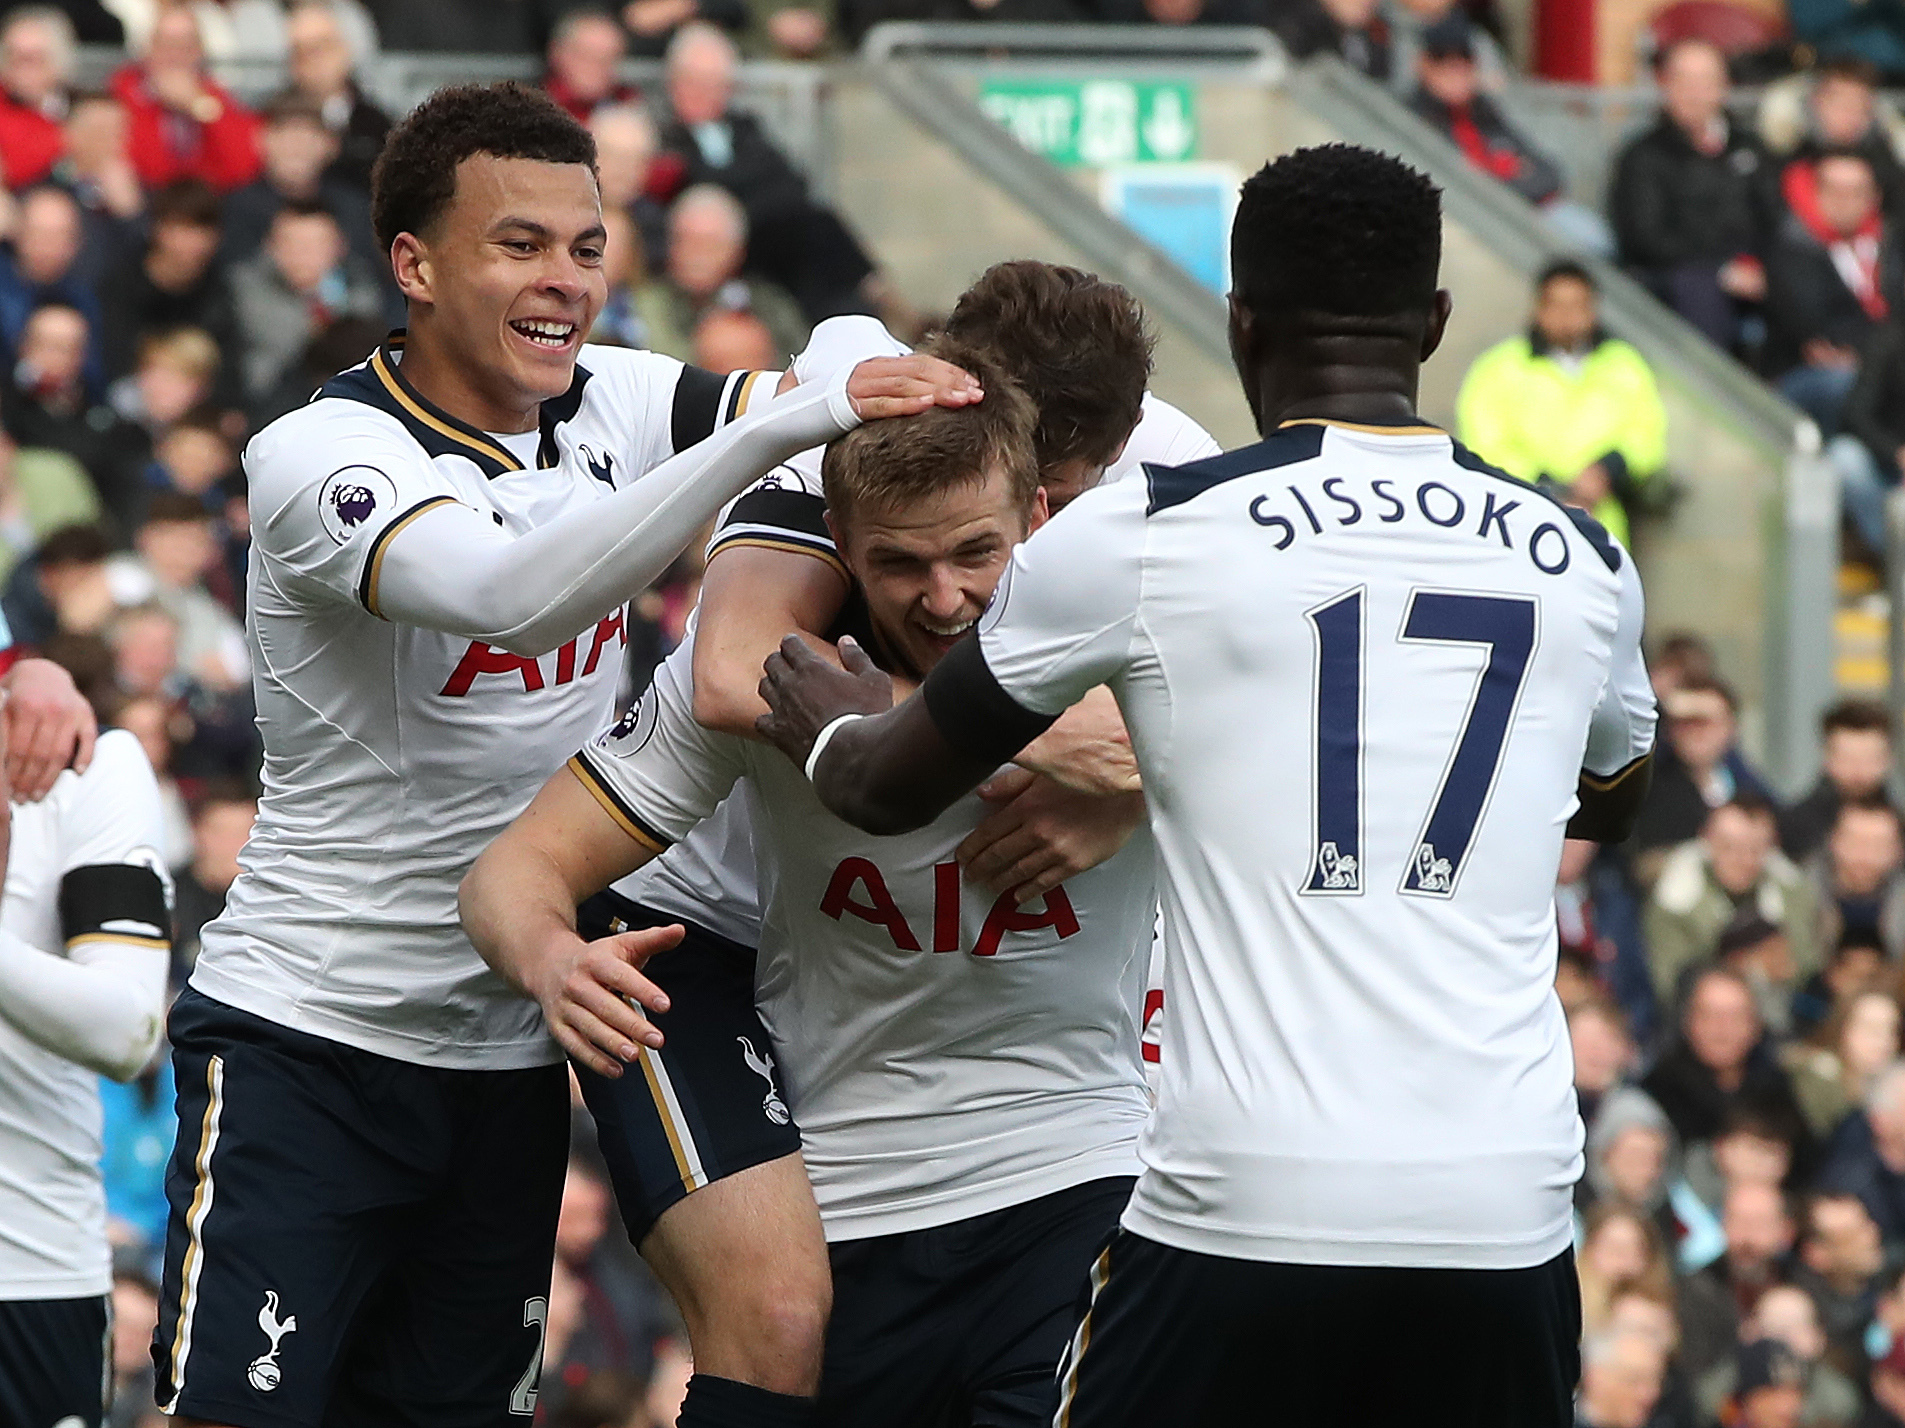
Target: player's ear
(1041, 511)
(1438, 322)
(410, 263)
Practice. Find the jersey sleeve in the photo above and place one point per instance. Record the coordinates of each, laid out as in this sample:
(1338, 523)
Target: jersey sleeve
(657, 772)
(669, 405)
(785, 510)
(1063, 618)
(331, 485)
(113, 885)
(1622, 729)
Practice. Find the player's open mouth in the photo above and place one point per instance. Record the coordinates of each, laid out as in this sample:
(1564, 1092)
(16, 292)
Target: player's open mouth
(946, 636)
(552, 335)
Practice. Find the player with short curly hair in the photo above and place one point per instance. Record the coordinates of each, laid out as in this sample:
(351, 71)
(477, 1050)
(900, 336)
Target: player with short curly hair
(373, 1127)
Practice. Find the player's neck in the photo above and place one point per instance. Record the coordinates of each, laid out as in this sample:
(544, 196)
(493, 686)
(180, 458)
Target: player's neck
(1364, 378)
(1366, 405)
(451, 385)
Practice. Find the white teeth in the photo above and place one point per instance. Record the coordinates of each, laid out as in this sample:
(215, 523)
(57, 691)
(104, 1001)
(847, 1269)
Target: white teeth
(947, 634)
(550, 334)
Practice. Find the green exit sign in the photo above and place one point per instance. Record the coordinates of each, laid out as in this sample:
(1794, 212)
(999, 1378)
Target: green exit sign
(1096, 121)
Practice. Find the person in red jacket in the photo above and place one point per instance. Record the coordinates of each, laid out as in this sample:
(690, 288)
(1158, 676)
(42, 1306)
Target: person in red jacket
(183, 125)
(36, 62)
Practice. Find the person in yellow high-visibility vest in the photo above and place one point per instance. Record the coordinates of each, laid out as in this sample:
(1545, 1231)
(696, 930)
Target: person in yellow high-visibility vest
(1566, 401)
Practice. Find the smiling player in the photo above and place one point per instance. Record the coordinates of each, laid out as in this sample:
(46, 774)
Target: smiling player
(372, 1126)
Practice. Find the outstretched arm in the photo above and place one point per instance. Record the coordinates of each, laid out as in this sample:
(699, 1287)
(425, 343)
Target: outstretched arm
(450, 568)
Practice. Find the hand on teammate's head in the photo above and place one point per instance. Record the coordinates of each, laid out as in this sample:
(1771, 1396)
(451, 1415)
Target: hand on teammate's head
(907, 386)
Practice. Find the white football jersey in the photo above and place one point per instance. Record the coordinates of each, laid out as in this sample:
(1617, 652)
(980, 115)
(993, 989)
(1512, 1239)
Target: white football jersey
(945, 1052)
(708, 877)
(1362, 672)
(395, 754)
(52, 1203)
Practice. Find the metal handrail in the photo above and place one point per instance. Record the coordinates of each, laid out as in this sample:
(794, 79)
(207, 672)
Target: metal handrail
(1229, 45)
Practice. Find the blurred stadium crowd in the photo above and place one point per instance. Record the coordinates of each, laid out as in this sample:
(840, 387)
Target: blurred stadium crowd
(178, 267)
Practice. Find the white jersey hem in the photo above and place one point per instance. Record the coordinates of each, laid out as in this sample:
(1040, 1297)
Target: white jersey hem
(66, 1286)
(1278, 1247)
(519, 1055)
(904, 1216)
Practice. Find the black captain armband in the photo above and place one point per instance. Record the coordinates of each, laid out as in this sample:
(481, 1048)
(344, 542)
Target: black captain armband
(1610, 805)
(114, 902)
(971, 711)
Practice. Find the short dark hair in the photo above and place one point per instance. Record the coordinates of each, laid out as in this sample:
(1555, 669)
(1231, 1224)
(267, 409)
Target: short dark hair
(1075, 342)
(906, 459)
(1569, 269)
(1853, 69)
(415, 176)
(1862, 716)
(1337, 230)
(1710, 684)
(190, 201)
(1875, 803)
(73, 545)
(1752, 803)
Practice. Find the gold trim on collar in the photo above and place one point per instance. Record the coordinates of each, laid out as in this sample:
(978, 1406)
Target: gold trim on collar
(1421, 430)
(400, 390)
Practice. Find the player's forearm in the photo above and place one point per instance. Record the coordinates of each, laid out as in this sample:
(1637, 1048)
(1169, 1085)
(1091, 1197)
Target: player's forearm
(103, 1012)
(1088, 749)
(530, 594)
(516, 907)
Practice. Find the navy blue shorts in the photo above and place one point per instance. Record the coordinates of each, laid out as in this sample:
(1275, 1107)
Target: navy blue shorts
(709, 1102)
(354, 1240)
(962, 1325)
(53, 1361)
(1168, 1336)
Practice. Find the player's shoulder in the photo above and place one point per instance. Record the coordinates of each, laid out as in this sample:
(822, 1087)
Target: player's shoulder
(1592, 532)
(1168, 487)
(1167, 436)
(325, 433)
(119, 774)
(630, 368)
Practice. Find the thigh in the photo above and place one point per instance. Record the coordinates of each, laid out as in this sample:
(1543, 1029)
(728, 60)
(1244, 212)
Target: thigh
(452, 1337)
(296, 1165)
(708, 1104)
(53, 1362)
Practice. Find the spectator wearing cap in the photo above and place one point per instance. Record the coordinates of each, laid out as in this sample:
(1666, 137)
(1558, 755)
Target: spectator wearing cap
(1406, 21)
(182, 123)
(1769, 1388)
(1855, 762)
(1698, 769)
(1449, 98)
(1691, 203)
(1715, 1302)
(792, 240)
(1621, 1373)
(36, 73)
(1567, 403)
(323, 64)
(1352, 30)
(304, 279)
(584, 54)
(1834, 273)
(1841, 1264)
(707, 247)
(1729, 878)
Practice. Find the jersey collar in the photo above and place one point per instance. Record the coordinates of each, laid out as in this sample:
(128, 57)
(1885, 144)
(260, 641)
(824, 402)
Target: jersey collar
(1414, 426)
(419, 408)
